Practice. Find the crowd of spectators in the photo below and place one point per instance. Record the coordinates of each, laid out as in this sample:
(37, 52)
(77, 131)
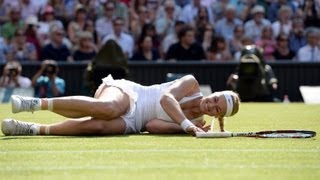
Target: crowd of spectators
(166, 30)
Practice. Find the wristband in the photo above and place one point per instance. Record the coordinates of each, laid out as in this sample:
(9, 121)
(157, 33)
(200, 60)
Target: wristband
(185, 124)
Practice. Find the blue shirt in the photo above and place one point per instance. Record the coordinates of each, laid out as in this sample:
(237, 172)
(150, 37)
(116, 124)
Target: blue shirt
(43, 87)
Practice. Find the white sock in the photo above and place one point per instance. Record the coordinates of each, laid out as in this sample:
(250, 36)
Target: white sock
(50, 104)
(47, 130)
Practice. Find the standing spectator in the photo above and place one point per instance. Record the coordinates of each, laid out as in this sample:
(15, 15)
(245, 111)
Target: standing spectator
(311, 51)
(47, 19)
(225, 26)
(31, 33)
(104, 24)
(146, 52)
(56, 49)
(86, 49)
(219, 50)
(186, 48)
(21, 50)
(311, 13)
(11, 76)
(46, 81)
(274, 7)
(297, 38)
(77, 25)
(267, 43)
(165, 24)
(282, 51)
(124, 40)
(235, 43)
(254, 27)
(9, 28)
(190, 11)
(284, 23)
(171, 38)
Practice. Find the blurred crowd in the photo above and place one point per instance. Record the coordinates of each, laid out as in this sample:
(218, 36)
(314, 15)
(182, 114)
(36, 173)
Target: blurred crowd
(167, 30)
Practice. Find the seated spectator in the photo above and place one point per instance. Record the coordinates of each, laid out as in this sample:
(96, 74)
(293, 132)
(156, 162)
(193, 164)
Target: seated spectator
(121, 10)
(56, 49)
(186, 48)
(47, 20)
(150, 30)
(311, 13)
(282, 52)
(219, 50)
(218, 9)
(235, 43)
(3, 50)
(207, 36)
(267, 43)
(297, 37)
(3, 12)
(171, 38)
(284, 23)
(161, 13)
(77, 25)
(86, 49)
(46, 81)
(190, 11)
(104, 24)
(124, 40)
(275, 6)
(9, 28)
(60, 10)
(201, 19)
(146, 52)
(311, 51)
(21, 50)
(253, 28)
(165, 24)
(225, 26)
(31, 33)
(11, 76)
(89, 26)
(137, 23)
(29, 8)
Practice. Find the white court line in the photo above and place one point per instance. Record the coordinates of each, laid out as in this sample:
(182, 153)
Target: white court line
(157, 150)
(158, 166)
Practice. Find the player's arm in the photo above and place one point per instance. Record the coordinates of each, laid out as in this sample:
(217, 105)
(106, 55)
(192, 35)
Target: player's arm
(182, 87)
(158, 126)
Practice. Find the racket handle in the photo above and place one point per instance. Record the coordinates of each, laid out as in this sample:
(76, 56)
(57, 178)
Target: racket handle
(213, 134)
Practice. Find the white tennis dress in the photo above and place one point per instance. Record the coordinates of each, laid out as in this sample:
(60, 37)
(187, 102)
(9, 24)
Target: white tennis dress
(144, 103)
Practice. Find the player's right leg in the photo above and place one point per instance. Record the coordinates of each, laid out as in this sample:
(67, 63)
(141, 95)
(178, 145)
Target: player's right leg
(69, 127)
(110, 104)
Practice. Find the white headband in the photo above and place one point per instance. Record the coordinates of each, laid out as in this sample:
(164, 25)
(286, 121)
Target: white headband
(229, 101)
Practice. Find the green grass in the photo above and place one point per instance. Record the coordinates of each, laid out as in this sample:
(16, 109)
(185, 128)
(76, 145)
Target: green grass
(170, 157)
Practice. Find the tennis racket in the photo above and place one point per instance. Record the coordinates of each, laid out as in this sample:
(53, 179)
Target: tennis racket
(260, 134)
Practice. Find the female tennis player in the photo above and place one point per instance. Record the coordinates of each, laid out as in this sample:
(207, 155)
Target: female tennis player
(125, 107)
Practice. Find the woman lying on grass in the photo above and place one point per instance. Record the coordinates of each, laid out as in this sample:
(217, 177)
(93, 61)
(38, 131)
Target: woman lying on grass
(125, 107)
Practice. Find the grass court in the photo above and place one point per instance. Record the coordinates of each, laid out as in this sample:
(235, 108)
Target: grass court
(170, 156)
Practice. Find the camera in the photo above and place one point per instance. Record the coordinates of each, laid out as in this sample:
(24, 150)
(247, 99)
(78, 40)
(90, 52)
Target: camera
(13, 72)
(50, 69)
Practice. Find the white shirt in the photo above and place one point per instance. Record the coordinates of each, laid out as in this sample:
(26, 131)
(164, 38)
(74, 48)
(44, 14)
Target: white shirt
(307, 54)
(104, 27)
(125, 41)
(253, 30)
(276, 28)
(24, 82)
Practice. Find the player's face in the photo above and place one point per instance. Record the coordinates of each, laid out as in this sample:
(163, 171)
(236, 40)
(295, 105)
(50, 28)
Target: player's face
(214, 105)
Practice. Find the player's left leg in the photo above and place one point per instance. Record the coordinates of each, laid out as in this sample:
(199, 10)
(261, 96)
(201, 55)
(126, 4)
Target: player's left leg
(69, 127)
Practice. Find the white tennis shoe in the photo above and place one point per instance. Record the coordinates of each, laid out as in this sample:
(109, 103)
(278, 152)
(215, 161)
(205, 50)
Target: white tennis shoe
(20, 104)
(11, 127)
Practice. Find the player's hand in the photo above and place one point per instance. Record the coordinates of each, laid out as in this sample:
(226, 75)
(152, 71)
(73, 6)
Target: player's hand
(193, 129)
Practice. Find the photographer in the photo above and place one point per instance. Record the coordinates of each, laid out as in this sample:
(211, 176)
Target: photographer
(11, 76)
(46, 82)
